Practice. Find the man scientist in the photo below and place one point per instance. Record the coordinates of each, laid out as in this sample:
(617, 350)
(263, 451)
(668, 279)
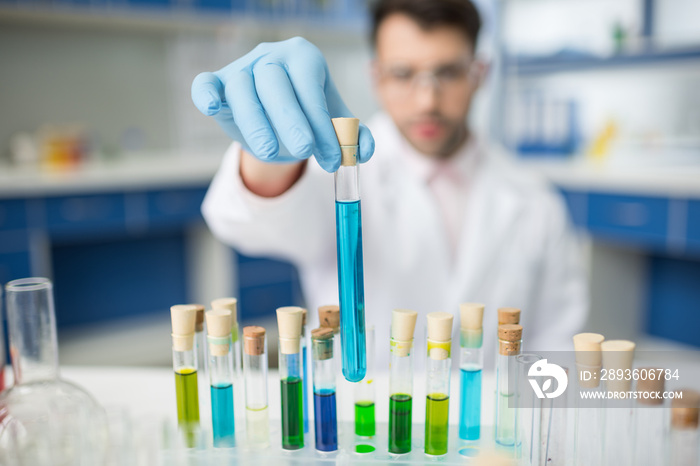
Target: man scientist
(446, 219)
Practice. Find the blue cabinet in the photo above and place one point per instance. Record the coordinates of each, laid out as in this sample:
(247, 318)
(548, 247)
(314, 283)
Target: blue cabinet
(113, 254)
(264, 285)
(78, 216)
(167, 207)
(693, 227)
(13, 214)
(637, 219)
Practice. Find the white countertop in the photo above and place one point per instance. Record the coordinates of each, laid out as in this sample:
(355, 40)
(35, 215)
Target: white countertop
(164, 169)
(671, 181)
(145, 171)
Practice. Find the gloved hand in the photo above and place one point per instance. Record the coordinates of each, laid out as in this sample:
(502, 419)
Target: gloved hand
(278, 101)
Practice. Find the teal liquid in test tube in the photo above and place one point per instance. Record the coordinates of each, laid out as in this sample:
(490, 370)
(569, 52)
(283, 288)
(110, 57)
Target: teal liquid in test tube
(349, 241)
(471, 361)
(221, 377)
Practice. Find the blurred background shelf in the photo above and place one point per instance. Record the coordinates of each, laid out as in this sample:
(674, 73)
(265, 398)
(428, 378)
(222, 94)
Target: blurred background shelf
(572, 61)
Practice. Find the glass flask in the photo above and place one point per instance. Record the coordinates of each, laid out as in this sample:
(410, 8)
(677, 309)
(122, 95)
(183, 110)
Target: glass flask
(44, 420)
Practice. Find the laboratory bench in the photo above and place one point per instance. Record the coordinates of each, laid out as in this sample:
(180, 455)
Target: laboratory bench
(651, 211)
(137, 221)
(119, 237)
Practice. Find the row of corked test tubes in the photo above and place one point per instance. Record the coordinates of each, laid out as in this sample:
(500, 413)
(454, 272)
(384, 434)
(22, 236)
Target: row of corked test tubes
(224, 364)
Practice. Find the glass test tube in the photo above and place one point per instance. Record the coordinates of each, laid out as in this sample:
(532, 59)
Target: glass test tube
(365, 395)
(528, 414)
(619, 426)
(290, 369)
(509, 343)
(652, 421)
(471, 362)
(403, 323)
(588, 414)
(255, 369)
(553, 435)
(183, 318)
(506, 315)
(200, 347)
(232, 305)
(325, 414)
(685, 435)
(305, 371)
(349, 248)
(221, 377)
(438, 365)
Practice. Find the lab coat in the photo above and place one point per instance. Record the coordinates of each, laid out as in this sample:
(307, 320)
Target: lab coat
(516, 247)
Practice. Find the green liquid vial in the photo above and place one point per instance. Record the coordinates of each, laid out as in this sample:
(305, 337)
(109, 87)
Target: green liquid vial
(292, 413)
(364, 419)
(187, 403)
(400, 420)
(437, 408)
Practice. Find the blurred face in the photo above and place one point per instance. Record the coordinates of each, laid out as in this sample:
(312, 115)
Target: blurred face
(425, 81)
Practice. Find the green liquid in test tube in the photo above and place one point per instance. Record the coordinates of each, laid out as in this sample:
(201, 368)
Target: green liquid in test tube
(403, 324)
(365, 396)
(438, 368)
(289, 322)
(185, 367)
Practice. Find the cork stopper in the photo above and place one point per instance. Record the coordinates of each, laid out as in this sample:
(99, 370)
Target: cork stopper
(685, 410)
(329, 316)
(440, 326)
(289, 326)
(219, 331)
(646, 385)
(471, 316)
(227, 303)
(439, 335)
(509, 339)
(183, 318)
(618, 354)
(403, 324)
(347, 132)
(588, 358)
(199, 321)
(322, 333)
(322, 343)
(508, 315)
(254, 340)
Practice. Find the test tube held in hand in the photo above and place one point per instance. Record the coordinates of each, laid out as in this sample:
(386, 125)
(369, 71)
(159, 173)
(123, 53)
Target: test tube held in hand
(349, 249)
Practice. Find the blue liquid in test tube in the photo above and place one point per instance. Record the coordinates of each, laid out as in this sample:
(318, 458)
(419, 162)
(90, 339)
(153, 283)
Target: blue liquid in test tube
(351, 286)
(348, 222)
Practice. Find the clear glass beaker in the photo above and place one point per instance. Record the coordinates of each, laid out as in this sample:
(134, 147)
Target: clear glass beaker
(43, 419)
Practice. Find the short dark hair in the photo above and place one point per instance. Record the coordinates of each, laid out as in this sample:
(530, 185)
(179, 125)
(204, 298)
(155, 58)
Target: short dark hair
(430, 14)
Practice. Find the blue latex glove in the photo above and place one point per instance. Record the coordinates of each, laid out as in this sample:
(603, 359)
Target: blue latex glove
(278, 101)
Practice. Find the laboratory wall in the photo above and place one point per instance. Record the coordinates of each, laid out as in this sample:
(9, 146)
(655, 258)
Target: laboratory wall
(104, 161)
